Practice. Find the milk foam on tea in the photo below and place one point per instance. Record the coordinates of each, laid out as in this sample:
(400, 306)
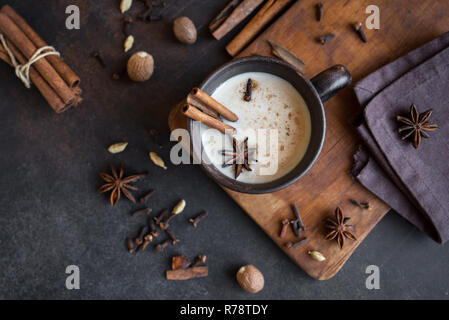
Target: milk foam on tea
(275, 105)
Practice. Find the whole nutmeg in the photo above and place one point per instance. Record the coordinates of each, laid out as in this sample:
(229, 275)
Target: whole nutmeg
(184, 30)
(250, 278)
(140, 66)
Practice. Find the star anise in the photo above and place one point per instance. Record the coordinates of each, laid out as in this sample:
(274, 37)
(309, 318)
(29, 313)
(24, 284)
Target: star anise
(339, 230)
(416, 125)
(118, 184)
(239, 156)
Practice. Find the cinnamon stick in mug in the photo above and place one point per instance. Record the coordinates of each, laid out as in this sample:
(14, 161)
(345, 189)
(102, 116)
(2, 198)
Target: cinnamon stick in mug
(267, 13)
(197, 115)
(200, 99)
(60, 66)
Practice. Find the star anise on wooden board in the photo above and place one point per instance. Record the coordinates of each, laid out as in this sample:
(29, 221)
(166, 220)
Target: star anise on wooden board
(338, 229)
(416, 126)
(117, 184)
(239, 156)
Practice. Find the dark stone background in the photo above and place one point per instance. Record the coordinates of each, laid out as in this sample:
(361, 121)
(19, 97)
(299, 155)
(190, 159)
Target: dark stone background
(51, 215)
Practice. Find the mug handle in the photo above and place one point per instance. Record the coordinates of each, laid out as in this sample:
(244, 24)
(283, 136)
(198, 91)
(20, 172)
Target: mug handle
(330, 81)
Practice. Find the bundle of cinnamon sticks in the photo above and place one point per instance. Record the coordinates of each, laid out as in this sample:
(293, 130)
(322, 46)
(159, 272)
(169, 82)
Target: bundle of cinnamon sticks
(57, 83)
(201, 107)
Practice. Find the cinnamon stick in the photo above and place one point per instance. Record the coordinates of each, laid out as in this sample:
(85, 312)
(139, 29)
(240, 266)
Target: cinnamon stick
(206, 103)
(197, 115)
(16, 36)
(238, 14)
(265, 15)
(60, 66)
(186, 274)
(47, 92)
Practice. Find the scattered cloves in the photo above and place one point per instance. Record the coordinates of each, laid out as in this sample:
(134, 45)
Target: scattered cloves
(319, 11)
(141, 211)
(145, 243)
(172, 237)
(359, 29)
(291, 245)
(361, 205)
(284, 227)
(198, 218)
(326, 37)
(130, 245)
(201, 258)
(97, 55)
(161, 216)
(152, 228)
(160, 247)
(248, 91)
(139, 239)
(145, 197)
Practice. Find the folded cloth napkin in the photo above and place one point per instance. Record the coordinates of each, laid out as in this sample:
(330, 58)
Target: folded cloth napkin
(414, 182)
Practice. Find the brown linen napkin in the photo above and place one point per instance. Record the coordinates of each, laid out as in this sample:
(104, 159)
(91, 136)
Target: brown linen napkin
(413, 182)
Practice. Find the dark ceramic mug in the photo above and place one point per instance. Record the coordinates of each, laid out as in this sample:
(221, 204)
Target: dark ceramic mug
(314, 92)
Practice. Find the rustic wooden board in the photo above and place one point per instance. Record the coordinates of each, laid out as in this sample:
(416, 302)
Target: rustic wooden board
(405, 25)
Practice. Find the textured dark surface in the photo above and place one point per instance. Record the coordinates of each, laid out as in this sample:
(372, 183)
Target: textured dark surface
(51, 215)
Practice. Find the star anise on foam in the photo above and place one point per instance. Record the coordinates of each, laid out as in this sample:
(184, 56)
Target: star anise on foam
(338, 229)
(239, 156)
(416, 125)
(118, 184)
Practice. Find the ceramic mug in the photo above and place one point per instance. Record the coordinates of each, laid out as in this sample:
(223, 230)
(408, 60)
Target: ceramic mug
(314, 92)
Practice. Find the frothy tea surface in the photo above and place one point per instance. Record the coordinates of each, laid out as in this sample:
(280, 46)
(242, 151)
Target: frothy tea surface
(275, 105)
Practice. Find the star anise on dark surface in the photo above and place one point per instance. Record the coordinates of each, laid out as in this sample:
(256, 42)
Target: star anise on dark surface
(416, 126)
(338, 229)
(238, 156)
(118, 184)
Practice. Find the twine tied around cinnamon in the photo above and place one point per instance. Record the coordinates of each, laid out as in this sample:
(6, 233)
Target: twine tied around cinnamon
(23, 71)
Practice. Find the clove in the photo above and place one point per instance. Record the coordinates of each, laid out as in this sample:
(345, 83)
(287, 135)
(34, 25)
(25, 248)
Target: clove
(326, 37)
(161, 216)
(139, 239)
(361, 205)
(291, 245)
(284, 227)
(97, 55)
(198, 218)
(160, 247)
(297, 224)
(201, 258)
(172, 237)
(319, 11)
(127, 21)
(130, 245)
(359, 29)
(152, 228)
(248, 91)
(141, 211)
(148, 238)
(145, 197)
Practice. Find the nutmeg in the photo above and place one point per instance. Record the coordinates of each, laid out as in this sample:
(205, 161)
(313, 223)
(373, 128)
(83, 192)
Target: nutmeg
(250, 278)
(140, 66)
(185, 30)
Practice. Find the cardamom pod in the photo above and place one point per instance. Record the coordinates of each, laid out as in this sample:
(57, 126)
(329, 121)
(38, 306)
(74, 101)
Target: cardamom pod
(179, 207)
(117, 147)
(316, 255)
(157, 160)
(125, 5)
(129, 42)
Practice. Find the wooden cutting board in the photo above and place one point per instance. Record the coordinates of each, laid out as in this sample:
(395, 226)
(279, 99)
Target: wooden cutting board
(404, 25)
